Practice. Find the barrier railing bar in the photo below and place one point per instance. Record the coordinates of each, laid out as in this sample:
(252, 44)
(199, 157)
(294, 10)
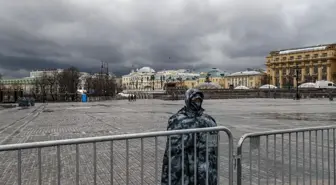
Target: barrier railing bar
(334, 155)
(284, 131)
(282, 160)
(290, 158)
(322, 137)
(297, 157)
(230, 138)
(258, 163)
(43, 144)
(207, 158)
(169, 160)
(316, 158)
(304, 159)
(142, 161)
(58, 150)
(94, 163)
(19, 167)
(77, 164)
(218, 157)
(127, 161)
(267, 167)
(156, 160)
(182, 140)
(328, 144)
(274, 159)
(39, 166)
(310, 157)
(111, 162)
(195, 159)
(250, 159)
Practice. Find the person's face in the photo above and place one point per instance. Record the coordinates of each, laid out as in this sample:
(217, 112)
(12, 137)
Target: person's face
(196, 103)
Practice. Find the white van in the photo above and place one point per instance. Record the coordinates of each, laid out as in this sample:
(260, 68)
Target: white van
(325, 85)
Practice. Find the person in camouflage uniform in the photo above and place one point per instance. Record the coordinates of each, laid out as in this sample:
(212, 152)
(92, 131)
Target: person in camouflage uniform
(191, 116)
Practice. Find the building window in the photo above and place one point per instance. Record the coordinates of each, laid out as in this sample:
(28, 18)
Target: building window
(307, 70)
(284, 58)
(276, 59)
(324, 69)
(315, 55)
(299, 57)
(291, 71)
(315, 70)
(284, 71)
(291, 58)
(324, 54)
(307, 56)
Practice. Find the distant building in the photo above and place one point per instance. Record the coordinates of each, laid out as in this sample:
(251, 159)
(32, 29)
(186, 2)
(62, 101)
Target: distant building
(215, 75)
(141, 79)
(49, 72)
(314, 62)
(250, 79)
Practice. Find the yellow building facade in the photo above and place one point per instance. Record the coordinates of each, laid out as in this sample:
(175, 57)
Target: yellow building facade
(250, 79)
(314, 63)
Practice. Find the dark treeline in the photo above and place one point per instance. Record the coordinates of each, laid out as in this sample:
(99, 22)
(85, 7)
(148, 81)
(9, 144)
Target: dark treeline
(64, 86)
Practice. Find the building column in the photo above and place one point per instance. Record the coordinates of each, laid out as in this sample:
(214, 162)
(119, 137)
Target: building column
(280, 78)
(272, 82)
(319, 72)
(329, 75)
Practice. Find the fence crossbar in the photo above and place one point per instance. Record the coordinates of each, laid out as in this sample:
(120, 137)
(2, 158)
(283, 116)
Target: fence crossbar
(44, 144)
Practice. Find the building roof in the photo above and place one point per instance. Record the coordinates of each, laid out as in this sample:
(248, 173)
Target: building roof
(146, 70)
(214, 72)
(301, 49)
(245, 73)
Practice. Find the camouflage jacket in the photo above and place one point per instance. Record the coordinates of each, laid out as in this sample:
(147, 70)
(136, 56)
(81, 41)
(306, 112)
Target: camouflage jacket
(187, 119)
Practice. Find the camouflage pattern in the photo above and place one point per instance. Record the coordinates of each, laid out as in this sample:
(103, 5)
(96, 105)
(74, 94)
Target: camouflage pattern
(188, 118)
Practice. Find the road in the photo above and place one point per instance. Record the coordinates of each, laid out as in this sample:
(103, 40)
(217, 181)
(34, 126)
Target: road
(56, 121)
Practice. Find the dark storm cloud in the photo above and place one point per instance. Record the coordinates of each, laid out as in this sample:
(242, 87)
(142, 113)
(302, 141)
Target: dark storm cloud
(231, 35)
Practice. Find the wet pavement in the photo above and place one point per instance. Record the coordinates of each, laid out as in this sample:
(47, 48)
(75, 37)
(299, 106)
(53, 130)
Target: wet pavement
(55, 121)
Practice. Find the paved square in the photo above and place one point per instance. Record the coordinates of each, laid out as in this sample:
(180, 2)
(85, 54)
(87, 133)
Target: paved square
(56, 121)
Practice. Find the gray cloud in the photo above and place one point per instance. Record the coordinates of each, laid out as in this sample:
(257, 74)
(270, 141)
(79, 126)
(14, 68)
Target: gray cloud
(231, 35)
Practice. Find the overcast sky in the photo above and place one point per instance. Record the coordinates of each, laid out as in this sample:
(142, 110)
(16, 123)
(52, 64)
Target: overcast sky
(228, 34)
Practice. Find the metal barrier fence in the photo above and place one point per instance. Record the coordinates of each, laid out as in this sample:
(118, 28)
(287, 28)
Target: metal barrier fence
(39, 163)
(312, 153)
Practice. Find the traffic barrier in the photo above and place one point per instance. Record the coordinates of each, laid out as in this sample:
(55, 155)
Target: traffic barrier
(292, 156)
(119, 159)
(284, 157)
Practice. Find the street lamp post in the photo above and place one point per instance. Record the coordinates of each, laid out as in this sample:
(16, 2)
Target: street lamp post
(297, 95)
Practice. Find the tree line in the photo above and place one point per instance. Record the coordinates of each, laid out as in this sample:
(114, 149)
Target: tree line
(64, 85)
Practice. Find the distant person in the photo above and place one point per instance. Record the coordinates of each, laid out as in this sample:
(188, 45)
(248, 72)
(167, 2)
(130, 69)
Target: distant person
(191, 116)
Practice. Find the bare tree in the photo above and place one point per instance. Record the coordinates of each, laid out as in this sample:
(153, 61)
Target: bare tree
(1, 84)
(52, 82)
(42, 85)
(89, 84)
(68, 81)
(101, 85)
